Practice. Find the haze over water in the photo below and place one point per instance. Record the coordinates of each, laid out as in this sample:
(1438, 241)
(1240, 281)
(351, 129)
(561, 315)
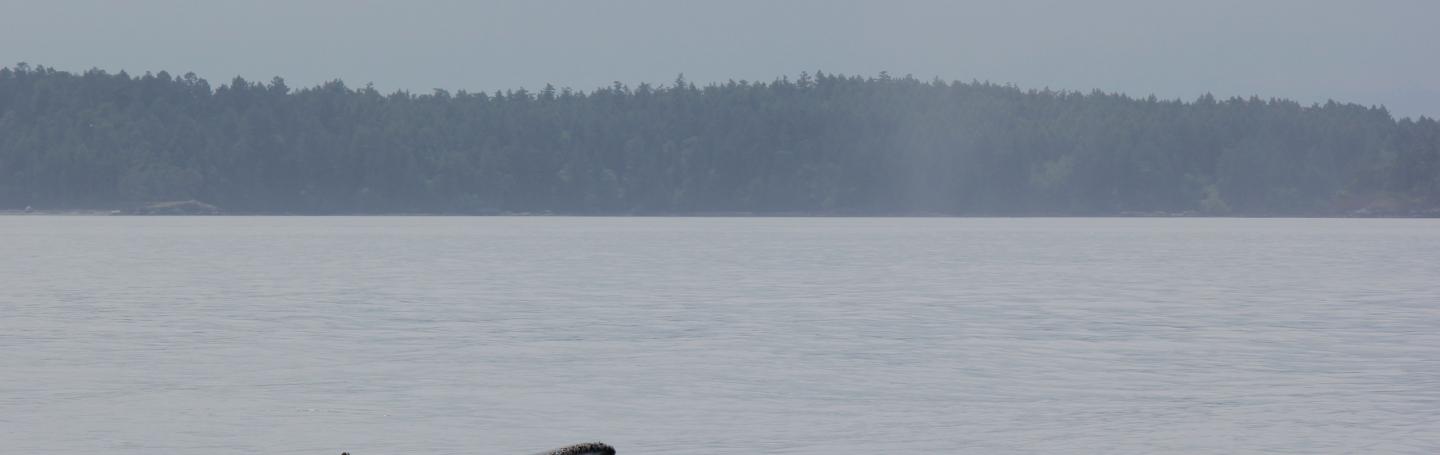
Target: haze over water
(398, 335)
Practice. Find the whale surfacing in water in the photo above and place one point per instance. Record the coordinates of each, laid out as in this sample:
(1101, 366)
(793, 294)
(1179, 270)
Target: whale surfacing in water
(589, 448)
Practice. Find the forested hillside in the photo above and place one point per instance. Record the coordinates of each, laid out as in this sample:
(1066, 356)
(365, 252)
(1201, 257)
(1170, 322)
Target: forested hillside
(819, 143)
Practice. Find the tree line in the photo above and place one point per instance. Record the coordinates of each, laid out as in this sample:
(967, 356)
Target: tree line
(817, 143)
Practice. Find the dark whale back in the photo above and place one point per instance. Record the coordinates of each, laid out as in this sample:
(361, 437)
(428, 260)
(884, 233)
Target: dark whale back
(589, 448)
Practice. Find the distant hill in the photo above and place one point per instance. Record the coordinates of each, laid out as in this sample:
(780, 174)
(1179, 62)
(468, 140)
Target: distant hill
(814, 144)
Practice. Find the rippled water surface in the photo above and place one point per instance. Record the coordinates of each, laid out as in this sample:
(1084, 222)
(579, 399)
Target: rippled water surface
(395, 335)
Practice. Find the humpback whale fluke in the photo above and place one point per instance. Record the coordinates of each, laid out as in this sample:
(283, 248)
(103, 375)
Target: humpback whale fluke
(589, 448)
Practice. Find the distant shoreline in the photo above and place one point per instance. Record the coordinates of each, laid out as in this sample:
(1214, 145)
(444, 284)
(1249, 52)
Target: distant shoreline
(1432, 215)
(815, 146)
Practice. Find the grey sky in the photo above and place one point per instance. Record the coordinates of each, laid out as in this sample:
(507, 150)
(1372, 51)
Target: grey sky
(1370, 52)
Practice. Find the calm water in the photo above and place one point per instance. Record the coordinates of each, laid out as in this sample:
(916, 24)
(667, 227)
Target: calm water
(428, 336)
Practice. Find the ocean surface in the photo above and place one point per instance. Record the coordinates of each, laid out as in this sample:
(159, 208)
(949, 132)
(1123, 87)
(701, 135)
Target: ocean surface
(511, 335)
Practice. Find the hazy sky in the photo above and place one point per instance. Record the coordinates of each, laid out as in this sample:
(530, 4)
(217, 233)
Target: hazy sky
(1370, 52)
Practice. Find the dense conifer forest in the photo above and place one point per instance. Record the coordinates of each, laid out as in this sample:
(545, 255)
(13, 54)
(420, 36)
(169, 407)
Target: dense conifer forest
(811, 144)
